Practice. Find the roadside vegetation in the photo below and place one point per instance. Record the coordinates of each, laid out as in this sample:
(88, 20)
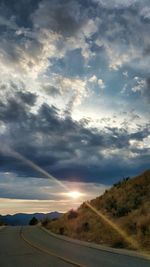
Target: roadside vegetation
(33, 221)
(127, 204)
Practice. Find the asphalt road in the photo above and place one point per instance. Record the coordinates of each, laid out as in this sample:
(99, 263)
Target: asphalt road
(32, 247)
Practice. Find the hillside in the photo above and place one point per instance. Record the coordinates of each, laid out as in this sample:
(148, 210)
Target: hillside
(127, 204)
(23, 218)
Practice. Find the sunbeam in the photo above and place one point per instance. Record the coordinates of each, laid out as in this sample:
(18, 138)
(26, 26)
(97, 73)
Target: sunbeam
(9, 151)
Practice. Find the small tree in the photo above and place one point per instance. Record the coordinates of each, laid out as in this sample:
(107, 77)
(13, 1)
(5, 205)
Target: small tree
(33, 221)
(72, 214)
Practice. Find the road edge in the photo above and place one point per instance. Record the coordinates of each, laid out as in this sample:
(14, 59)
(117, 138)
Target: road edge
(142, 255)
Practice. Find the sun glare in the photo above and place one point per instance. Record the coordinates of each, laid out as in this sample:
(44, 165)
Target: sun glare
(74, 194)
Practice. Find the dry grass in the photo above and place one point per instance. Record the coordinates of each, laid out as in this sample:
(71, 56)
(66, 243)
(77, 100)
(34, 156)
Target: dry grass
(127, 204)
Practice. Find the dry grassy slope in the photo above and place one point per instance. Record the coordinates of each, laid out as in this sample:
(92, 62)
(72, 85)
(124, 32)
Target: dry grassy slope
(127, 204)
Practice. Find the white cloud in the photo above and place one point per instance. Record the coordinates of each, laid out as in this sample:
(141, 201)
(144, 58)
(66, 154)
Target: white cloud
(79, 42)
(127, 154)
(73, 88)
(140, 144)
(125, 73)
(90, 27)
(101, 83)
(145, 12)
(31, 56)
(71, 91)
(140, 85)
(93, 79)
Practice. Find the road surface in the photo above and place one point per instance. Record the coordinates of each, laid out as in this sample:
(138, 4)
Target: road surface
(33, 247)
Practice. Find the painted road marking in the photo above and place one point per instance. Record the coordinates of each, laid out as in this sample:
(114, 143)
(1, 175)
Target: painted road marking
(49, 252)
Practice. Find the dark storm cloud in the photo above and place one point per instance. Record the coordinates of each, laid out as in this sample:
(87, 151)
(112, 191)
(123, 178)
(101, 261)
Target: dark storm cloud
(147, 89)
(62, 146)
(140, 135)
(15, 110)
(25, 188)
(59, 16)
(27, 98)
(19, 11)
(51, 90)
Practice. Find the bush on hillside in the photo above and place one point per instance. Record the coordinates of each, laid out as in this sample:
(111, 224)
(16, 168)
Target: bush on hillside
(119, 244)
(121, 182)
(111, 204)
(122, 211)
(45, 221)
(33, 221)
(72, 214)
(61, 230)
(85, 227)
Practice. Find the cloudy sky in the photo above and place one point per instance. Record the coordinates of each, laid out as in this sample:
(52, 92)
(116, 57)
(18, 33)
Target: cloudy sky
(74, 99)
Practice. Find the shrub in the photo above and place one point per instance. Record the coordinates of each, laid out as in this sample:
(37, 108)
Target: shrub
(122, 211)
(61, 230)
(119, 244)
(118, 184)
(111, 203)
(72, 214)
(144, 229)
(136, 202)
(33, 221)
(85, 227)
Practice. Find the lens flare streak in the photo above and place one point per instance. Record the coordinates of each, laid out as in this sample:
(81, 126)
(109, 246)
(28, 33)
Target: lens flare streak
(31, 164)
(118, 229)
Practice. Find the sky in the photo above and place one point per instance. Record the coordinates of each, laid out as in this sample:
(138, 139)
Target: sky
(74, 99)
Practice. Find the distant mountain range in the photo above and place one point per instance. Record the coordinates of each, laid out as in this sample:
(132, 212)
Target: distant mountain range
(23, 218)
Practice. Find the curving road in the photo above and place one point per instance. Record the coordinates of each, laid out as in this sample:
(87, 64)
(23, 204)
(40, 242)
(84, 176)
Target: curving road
(33, 247)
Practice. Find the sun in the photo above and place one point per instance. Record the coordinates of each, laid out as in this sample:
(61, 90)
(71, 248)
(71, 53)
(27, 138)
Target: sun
(74, 194)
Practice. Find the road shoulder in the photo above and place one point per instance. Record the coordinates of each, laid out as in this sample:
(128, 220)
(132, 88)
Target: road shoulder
(2, 227)
(98, 247)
